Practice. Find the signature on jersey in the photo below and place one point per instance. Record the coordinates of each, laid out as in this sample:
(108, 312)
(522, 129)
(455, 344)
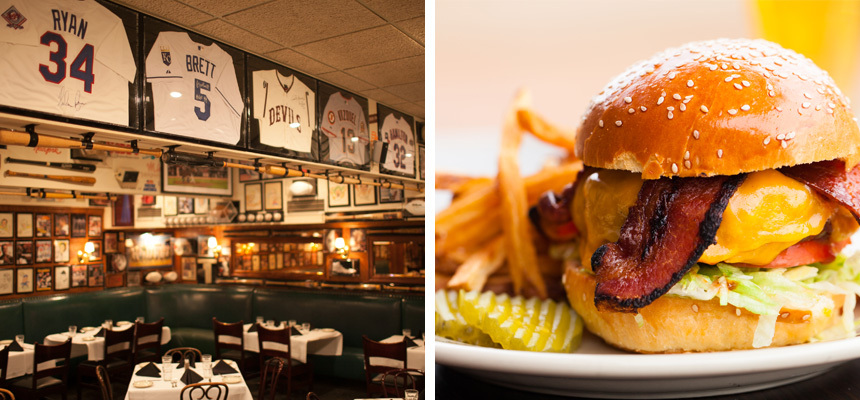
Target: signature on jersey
(65, 99)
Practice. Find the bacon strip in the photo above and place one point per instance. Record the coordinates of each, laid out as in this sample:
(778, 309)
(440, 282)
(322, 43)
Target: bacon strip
(666, 231)
(830, 179)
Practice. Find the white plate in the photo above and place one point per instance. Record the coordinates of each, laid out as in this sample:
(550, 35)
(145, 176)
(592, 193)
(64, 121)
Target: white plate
(597, 370)
(142, 384)
(327, 330)
(87, 329)
(5, 342)
(88, 338)
(232, 379)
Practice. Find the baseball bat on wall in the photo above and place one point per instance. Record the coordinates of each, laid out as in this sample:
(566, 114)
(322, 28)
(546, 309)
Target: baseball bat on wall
(78, 180)
(32, 139)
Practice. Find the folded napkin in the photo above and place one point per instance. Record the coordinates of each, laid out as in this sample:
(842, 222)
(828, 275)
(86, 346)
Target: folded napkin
(190, 377)
(409, 341)
(253, 328)
(149, 370)
(294, 331)
(222, 368)
(15, 346)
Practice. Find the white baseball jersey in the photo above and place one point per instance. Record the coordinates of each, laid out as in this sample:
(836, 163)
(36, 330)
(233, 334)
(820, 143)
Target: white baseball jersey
(280, 101)
(194, 89)
(65, 57)
(397, 132)
(343, 120)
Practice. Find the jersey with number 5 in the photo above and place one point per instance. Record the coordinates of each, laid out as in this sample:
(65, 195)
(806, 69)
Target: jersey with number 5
(344, 124)
(65, 57)
(194, 89)
(397, 132)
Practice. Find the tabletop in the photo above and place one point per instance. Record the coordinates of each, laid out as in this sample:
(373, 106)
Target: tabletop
(414, 354)
(162, 389)
(325, 342)
(93, 346)
(20, 362)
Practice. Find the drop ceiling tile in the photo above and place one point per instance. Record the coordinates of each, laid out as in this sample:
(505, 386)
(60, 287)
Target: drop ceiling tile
(346, 81)
(381, 96)
(299, 62)
(291, 22)
(220, 8)
(365, 47)
(413, 27)
(413, 109)
(409, 91)
(168, 10)
(396, 10)
(390, 73)
(236, 36)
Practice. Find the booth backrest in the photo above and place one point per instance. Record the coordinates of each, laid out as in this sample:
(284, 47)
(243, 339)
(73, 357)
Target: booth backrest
(11, 318)
(413, 314)
(193, 306)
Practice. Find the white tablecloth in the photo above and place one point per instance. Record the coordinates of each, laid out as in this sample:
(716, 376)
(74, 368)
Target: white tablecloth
(318, 341)
(94, 346)
(162, 389)
(414, 355)
(20, 362)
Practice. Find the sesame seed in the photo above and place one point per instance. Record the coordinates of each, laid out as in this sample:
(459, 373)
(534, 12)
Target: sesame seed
(600, 123)
(695, 308)
(660, 100)
(738, 312)
(724, 66)
(766, 141)
(799, 111)
(784, 144)
(688, 164)
(674, 168)
(583, 297)
(672, 75)
(719, 153)
(806, 104)
(688, 97)
(628, 100)
(782, 74)
(807, 95)
(769, 86)
(662, 93)
(784, 315)
(729, 78)
(831, 105)
(790, 135)
(818, 107)
(776, 62)
(704, 108)
(643, 108)
(745, 107)
(806, 317)
(771, 93)
(820, 91)
(617, 123)
(781, 136)
(732, 111)
(687, 155)
(713, 67)
(671, 115)
(696, 134)
(690, 83)
(746, 83)
(670, 108)
(779, 109)
(631, 111)
(830, 111)
(736, 66)
(738, 86)
(682, 107)
(676, 96)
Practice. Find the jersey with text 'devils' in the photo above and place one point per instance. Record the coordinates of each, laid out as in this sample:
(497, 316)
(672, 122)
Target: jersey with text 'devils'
(283, 106)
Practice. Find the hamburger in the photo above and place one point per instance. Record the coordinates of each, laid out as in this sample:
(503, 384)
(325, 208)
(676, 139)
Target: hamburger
(720, 185)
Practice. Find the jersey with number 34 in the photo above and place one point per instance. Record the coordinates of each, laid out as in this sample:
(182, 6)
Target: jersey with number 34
(194, 89)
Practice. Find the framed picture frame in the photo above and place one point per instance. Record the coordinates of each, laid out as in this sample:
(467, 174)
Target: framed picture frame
(61, 250)
(44, 225)
(253, 197)
(421, 162)
(185, 204)
(94, 225)
(274, 195)
(189, 268)
(79, 225)
(388, 195)
(62, 277)
(95, 275)
(364, 195)
(184, 179)
(24, 280)
(44, 251)
(23, 225)
(358, 239)
(96, 255)
(44, 279)
(133, 278)
(24, 252)
(61, 225)
(7, 252)
(79, 275)
(7, 281)
(110, 242)
(338, 194)
(201, 205)
(7, 222)
(171, 207)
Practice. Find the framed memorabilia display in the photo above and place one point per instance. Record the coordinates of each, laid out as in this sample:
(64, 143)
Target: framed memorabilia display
(364, 195)
(123, 210)
(357, 239)
(44, 279)
(44, 251)
(395, 130)
(95, 275)
(6, 225)
(331, 236)
(24, 252)
(133, 278)
(338, 194)
(62, 277)
(253, 197)
(387, 195)
(44, 225)
(274, 195)
(170, 205)
(61, 250)
(79, 275)
(189, 268)
(343, 126)
(7, 252)
(94, 225)
(201, 205)
(23, 225)
(96, 255)
(24, 280)
(62, 226)
(110, 242)
(255, 262)
(421, 162)
(159, 254)
(186, 205)
(79, 225)
(183, 179)
(7, 281)
(300, 188)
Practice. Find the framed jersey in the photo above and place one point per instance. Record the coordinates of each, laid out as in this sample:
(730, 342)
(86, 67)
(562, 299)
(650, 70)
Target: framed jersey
(283, 111)
(344, 133)
(192, 86)
(396, 129)
(74, 59)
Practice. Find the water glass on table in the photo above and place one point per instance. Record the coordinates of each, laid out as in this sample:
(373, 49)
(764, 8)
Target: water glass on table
(306, 326)
(260, 320)
(270, 323)
(292, 323)
(139, 319)
(410, 394)
(206, 360)
(19, 339)
(72, 330)
(108, 324)
(167, 367)
(407, 333)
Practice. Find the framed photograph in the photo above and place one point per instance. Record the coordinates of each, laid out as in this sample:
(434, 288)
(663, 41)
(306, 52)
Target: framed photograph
(24, 252)
(7, 252)
(387, 195)
(279, 260)
(303, 188)
(186, 205)
(94, 226)
(23, 225)
(189, 268)
(255, 262)
(44, 251)
(201, 205)
(253, 197)
(364, 195)
(133, 278)
(62, 277)
(331, 236)
(273, 261)
(44, 279)
(97, 251)
(185, 179)
(61, 250)
(25, 280)
(44, 225)
(110, 242)
(338, 194)
(79, 225)
(421, 161)
(170, 205)
(95, 275)
(6, 221)
(274, 195)
(7, 281)
(357, 239)
(123, 210)
(61, 225)
(79, 275)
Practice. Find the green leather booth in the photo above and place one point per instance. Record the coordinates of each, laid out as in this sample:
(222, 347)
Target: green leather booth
(11, 318)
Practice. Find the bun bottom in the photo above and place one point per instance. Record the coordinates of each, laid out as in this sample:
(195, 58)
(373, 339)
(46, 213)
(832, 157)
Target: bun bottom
(673, 324)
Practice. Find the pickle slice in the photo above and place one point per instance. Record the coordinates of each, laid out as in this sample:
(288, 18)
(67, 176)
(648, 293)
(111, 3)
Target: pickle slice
(451, 324)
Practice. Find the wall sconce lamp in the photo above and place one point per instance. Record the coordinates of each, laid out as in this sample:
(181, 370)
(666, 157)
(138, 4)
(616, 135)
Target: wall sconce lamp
(85, 254)
(214, 246)
(341, 248)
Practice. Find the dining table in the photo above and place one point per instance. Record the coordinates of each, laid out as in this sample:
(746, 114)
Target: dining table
(87, 344)
(156, 388)
(414, 354)
(324, 342)
(20, 362)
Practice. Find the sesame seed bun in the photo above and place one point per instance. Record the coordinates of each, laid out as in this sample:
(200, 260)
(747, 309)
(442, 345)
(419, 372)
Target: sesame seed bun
(719, 107)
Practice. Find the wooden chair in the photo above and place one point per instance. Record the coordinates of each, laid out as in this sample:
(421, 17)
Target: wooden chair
(5, 394)
(104, 382)
(116, 360)
(233, 349)
(143, 347)
(398, 380)
(312, 396)
(272, 371)
(293, 368)
(373, 371)
(185, 353)
(4, 365)
(206, 390)
(47, 380)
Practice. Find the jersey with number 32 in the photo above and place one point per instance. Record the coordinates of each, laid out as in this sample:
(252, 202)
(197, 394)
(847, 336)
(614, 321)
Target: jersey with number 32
(65, 57)
(397, 132)
(342, 120)
(194, 89)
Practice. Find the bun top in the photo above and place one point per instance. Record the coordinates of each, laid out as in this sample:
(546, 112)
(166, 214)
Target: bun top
(720, 107)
